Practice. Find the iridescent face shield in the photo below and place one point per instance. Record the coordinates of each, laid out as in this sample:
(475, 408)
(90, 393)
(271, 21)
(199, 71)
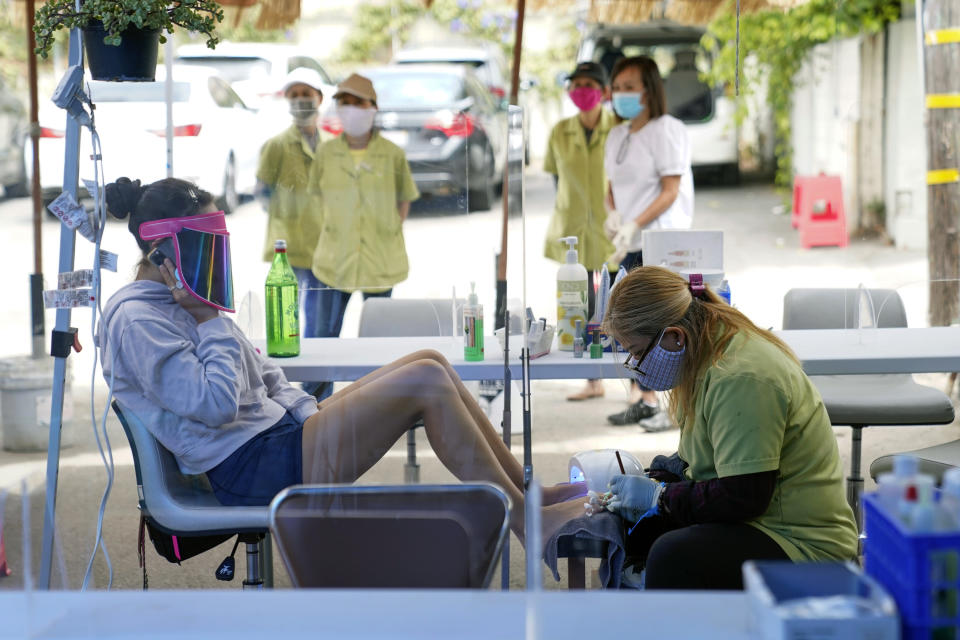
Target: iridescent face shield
(201, 246)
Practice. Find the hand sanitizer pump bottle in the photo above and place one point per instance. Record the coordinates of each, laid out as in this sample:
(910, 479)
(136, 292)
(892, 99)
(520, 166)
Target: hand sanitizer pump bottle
(571, 296)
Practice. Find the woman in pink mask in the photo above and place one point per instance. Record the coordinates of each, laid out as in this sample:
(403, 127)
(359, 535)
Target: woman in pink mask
(575, 158)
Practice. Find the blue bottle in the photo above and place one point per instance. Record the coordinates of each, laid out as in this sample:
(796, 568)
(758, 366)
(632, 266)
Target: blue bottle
(724, 291)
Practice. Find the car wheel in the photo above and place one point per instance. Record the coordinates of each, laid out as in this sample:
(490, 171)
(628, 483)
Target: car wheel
(731, 174)
(230, 199)
(482, 199)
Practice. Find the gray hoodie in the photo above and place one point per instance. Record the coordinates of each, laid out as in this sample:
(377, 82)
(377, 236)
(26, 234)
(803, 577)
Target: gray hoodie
(202, 390)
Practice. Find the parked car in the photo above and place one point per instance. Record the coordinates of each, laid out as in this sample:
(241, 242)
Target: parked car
(444, 119)
(708, 113)
(256, 70)
(486, 60)
(13, 133)
(216, 142)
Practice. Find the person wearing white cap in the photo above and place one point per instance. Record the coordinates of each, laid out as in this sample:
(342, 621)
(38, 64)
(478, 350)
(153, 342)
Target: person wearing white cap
(294, 211)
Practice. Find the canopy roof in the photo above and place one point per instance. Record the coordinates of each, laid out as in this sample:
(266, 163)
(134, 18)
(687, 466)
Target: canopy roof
(682, 11)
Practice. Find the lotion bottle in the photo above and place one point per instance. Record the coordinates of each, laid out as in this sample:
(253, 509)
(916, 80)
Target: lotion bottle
(571, 296)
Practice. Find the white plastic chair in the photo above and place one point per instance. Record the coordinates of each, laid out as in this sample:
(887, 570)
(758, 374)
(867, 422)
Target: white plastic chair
(183, 505)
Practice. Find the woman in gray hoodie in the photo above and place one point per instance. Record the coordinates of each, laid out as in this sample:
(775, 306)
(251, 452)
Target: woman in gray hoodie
(223, 409)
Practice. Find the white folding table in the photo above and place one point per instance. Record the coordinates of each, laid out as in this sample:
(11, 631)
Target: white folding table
(822, 352)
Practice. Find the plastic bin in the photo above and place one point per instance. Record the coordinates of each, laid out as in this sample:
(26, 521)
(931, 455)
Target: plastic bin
(920, 570)
(821, 601)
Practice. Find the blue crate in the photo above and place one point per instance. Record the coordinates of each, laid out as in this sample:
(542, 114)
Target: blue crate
(920, 570)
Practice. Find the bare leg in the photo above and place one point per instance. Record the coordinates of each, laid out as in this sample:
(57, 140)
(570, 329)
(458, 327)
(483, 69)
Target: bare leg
(509, 464)
(354, 430)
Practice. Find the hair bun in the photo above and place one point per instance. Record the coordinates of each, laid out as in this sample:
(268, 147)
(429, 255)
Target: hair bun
(122, 197)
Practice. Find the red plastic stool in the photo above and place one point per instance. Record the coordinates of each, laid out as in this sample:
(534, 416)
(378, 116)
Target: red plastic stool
(797, 190)
(820, 213)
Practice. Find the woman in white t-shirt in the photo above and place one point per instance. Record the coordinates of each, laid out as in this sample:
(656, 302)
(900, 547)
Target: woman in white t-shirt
(647, 159)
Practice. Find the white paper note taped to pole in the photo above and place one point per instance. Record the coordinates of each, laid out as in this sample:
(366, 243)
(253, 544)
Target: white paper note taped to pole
(108, 260)
(72, 214)
(68, 298)
(75, 279)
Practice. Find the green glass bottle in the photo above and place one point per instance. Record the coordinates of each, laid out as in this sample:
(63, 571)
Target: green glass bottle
(283, 306)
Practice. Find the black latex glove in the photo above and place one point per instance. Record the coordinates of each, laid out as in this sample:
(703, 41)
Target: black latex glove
(667, 468)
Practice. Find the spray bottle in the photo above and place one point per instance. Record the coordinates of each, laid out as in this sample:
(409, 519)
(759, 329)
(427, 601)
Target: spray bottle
(571, 296)
(472, 327)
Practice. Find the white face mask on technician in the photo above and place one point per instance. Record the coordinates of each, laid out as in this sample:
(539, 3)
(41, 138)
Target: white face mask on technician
(356, 121)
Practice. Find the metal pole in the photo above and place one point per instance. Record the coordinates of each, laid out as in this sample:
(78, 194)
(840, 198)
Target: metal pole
(37, 319)
(168, 98)
(71, 171)
(501, 301)
(506, 427)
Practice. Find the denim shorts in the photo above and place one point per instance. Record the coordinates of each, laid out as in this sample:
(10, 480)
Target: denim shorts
(265, 465)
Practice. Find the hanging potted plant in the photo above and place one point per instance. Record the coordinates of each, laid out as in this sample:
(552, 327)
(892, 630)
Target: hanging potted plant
(121, 37)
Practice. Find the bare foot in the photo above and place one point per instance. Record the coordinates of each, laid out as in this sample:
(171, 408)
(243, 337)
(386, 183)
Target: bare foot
(557, 515)
(563, 492)
(593, 389)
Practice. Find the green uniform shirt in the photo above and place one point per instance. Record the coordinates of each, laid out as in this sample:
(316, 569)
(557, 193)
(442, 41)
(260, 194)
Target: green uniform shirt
(294, 211)
(361, 241)
(757, 411)
(579, 209)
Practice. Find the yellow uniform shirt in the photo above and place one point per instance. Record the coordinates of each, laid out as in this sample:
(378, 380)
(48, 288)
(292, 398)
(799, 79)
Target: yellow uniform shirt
(294, 211)
(757, 411)
(361, 243)
(579, 209)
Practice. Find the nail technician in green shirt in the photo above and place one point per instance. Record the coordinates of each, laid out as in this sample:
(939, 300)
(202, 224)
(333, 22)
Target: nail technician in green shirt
(757, 474)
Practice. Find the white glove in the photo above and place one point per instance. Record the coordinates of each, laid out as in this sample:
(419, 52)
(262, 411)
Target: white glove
(624, 236)
(612, 224)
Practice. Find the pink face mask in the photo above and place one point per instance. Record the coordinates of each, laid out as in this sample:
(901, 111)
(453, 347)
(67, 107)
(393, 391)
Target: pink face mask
(586, 98)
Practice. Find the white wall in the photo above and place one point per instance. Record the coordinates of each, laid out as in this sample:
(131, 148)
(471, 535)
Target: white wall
(826, 109)
(905, 148)
(826, 121)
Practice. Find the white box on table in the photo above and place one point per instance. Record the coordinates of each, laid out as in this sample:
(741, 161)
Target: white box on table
(679, 249)
(826, 601)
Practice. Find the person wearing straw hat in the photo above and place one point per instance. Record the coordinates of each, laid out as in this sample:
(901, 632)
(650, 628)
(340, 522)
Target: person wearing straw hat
(293, 210)
(575, 158)
(367, 188)
(757, 473)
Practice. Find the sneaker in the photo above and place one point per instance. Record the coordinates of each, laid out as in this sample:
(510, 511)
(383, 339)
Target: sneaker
(634, 413)
(660, 421)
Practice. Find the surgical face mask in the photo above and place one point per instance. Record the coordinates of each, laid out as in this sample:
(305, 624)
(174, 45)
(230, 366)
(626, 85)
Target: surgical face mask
(201, 253)
(660, 369)
(303, 110)
(356, 121)
(586, 98)
(628, 105)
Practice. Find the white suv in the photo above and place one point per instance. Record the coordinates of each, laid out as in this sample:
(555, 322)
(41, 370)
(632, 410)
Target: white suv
(255, 70)
(707, 113)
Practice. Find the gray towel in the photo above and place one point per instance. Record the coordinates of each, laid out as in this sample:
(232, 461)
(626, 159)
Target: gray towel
(605, 526)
